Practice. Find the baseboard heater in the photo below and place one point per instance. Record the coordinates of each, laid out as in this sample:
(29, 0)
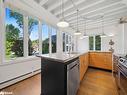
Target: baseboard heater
(18, 79)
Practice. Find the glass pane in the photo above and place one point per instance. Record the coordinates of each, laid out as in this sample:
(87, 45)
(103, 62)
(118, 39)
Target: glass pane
(91, 43)
(53, 38)
(33, 43)
(67, 39)
(14, 34)
(97, 42)
(72, 40)
(45, 39)
(67, 43)
(64, 42)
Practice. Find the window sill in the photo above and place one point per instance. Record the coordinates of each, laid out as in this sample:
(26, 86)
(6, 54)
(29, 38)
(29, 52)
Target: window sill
(19, 60)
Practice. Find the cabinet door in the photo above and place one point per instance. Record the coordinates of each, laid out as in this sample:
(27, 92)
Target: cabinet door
(109, 61)
(81, 67)
(85, 62)
(101, 60)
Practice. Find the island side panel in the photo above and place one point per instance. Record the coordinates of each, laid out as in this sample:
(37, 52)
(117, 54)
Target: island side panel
(53, 77)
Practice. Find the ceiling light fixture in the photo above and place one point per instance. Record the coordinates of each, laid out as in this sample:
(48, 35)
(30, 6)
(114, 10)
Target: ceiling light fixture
(103, 34)
(77, 31)
(62, 23)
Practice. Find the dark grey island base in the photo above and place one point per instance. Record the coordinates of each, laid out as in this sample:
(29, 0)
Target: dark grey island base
(59, 77)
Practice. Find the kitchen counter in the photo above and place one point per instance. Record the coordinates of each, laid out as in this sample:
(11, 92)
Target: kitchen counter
(60, 73)
(61, 57)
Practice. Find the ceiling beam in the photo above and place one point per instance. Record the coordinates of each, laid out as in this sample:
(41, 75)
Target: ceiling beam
(124, 2)
(43, 2)
(84, 8)
(99, 22)
(50, 8)
(95, 25)
(108, 13)
(69, 7)
(71, 17)
(115, 16)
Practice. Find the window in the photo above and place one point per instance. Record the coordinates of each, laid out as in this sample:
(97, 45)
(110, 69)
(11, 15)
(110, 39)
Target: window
(45, 39)
(33, 38)
(68, 44)
(95, 42)
(91, 43)
(53, 38)
(72, 43)
(14, 34)
(63, 42)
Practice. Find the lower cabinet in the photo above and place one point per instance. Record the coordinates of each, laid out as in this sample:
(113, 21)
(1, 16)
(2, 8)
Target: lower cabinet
(84, 62)
(101, 60)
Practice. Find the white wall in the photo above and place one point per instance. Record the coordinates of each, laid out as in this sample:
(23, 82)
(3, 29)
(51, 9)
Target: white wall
(125, 38)
(16, 68)
(83, 44)
(120, 37)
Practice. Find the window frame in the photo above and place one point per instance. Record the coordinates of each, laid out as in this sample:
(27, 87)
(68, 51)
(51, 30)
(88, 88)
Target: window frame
(53, 30)
(69, 44)
(34, 18)
(94, 43)
(15, 10)
(25, 28)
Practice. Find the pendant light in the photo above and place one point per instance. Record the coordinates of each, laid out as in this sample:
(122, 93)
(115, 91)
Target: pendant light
(84, 35)
(62, 23)
(77, 31)
(103, 34)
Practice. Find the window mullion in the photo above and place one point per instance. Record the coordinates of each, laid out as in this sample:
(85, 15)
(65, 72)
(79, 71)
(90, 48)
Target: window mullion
(65, 43)
(40, 37)
(50, 43)
(2, 32)
(25, 36)
(94, 43)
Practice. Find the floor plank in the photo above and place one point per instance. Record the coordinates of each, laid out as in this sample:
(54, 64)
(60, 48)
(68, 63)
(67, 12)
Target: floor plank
(95, 82)
(30, 86)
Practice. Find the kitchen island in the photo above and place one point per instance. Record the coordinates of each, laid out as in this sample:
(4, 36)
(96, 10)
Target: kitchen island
(60, 74)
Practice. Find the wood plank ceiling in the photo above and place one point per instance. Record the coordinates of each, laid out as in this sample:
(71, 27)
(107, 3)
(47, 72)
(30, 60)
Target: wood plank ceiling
(89, 10)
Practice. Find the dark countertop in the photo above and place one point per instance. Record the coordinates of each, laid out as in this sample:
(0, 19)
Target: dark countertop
(61, 57)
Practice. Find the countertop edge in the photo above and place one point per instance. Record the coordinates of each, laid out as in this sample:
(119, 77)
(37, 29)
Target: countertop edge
(59, 60)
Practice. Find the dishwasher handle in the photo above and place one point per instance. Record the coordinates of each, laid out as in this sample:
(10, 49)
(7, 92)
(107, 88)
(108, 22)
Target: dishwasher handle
(73, 66)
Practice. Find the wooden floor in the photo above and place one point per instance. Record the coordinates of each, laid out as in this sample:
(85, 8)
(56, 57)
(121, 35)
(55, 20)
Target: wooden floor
(95, 82)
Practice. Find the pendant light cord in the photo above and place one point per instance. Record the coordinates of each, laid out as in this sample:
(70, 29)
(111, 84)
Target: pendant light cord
(62, 9)
(103, 24)
(77, 19)
(84, 27)
(75, 6)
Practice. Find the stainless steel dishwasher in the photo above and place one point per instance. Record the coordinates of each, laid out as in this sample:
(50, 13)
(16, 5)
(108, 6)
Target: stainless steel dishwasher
(73, 78)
